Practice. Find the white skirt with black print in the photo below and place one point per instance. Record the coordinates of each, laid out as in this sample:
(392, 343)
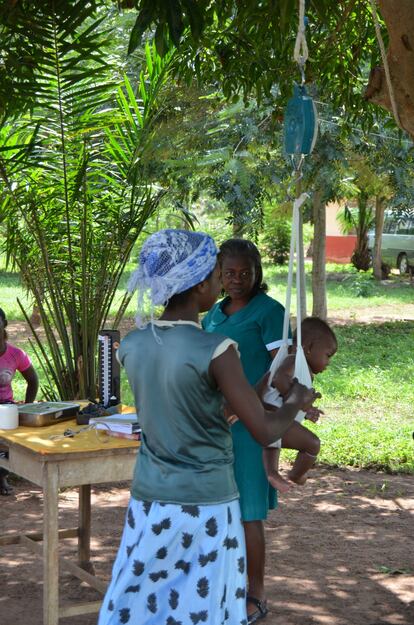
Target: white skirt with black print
(179, 565)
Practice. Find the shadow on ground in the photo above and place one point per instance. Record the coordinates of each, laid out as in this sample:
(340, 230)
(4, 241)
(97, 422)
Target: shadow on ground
(340, 551)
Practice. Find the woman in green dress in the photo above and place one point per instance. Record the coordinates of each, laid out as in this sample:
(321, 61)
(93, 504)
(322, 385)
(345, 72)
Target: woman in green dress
(255, 321)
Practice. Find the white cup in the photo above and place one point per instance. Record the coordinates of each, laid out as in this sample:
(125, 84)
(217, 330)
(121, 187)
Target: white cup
(9, 417)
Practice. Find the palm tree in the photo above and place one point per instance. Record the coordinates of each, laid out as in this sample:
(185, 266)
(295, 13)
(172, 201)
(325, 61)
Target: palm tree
(366, 185)
(74, 198)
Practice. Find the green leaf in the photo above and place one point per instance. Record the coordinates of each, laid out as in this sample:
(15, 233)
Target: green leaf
(195, 17)
(143, 21)
(160, 39)
(175, 21)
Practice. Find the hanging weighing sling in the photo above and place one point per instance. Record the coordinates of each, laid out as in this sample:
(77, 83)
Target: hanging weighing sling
(302, 373)
(301, 129)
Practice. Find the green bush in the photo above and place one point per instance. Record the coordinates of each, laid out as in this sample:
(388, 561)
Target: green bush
(361, 284)
(276, 241)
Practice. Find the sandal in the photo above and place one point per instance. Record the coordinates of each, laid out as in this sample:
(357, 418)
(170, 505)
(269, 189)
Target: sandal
(5, 489)
(261, 612)
(6, 492)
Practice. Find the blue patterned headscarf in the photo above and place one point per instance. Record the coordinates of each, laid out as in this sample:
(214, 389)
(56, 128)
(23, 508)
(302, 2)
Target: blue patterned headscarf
(170, 262)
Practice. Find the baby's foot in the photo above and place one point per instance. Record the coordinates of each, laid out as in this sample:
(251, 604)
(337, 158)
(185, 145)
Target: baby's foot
(278, 482)
(301, 480)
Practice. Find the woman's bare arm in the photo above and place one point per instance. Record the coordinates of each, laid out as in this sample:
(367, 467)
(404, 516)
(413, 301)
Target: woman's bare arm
(262, 424)
(32, 380)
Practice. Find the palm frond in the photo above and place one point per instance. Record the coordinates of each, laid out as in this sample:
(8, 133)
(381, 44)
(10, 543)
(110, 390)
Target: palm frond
(76, 197)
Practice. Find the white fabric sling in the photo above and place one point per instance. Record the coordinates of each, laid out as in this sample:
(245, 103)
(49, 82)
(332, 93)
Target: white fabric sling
(302, 373)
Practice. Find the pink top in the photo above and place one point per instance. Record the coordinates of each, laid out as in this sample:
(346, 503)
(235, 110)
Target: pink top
(13, 359)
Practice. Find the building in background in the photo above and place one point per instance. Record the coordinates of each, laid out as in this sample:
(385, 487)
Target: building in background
(339, 247)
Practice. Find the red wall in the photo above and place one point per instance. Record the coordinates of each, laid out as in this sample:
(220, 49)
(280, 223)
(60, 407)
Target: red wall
(339, 249)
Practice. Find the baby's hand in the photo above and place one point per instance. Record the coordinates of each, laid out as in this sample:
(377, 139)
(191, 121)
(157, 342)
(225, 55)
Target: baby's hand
(303, 395)
(313, 414)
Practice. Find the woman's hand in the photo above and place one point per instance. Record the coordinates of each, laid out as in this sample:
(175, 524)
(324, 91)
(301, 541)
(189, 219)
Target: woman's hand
(32, 380)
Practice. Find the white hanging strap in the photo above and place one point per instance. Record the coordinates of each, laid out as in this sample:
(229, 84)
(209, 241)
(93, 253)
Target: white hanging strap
(302, 373)
(298, 276)
(294, 242)
(290, 279)
(283, 350)
(271, 395)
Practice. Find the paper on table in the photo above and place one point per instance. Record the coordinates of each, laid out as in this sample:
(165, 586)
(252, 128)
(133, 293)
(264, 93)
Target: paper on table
(126, 423)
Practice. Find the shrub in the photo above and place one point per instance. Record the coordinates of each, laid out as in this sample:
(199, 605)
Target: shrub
(276, 241)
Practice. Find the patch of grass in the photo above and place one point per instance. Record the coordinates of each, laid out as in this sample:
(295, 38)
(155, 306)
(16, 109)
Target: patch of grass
(11, 289)
(347, 289)
(386, 570)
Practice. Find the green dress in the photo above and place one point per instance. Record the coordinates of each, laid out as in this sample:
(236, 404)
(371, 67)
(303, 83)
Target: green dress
(257, 328)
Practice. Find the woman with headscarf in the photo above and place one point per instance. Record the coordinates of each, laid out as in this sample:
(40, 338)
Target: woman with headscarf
(182, 556)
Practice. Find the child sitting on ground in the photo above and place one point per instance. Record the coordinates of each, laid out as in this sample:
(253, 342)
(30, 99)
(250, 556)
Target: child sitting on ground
(319, 345)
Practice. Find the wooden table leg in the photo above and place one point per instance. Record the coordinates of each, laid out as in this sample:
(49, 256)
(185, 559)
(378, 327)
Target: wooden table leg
(50, 544)
(84, 542)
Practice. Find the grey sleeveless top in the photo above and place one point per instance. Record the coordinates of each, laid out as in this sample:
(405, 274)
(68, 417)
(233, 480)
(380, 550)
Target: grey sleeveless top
(186, 454)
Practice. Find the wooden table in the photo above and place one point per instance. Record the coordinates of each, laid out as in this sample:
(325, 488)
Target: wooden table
(51, 464)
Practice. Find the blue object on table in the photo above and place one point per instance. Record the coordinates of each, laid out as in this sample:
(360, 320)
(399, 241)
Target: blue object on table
(301, 123)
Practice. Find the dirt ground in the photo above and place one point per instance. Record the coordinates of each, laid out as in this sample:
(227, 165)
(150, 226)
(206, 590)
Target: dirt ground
(387, 312)
(340, 551)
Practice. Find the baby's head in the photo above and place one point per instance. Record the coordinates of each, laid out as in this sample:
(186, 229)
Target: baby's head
(319, 343)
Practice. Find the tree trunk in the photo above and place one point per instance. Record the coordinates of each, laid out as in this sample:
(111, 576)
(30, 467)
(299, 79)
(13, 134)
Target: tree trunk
(319, 308)
(35, 317)
(361, 257)
(399, 18)
(379, 225)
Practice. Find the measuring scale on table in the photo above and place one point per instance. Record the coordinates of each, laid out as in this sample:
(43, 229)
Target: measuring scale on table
(109, 368)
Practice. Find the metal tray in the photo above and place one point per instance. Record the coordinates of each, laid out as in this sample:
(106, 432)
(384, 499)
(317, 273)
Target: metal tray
(46, 413)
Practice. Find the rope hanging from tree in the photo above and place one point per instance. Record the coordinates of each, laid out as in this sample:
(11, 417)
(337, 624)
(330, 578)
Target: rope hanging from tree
(301, 53)
(300, 129)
